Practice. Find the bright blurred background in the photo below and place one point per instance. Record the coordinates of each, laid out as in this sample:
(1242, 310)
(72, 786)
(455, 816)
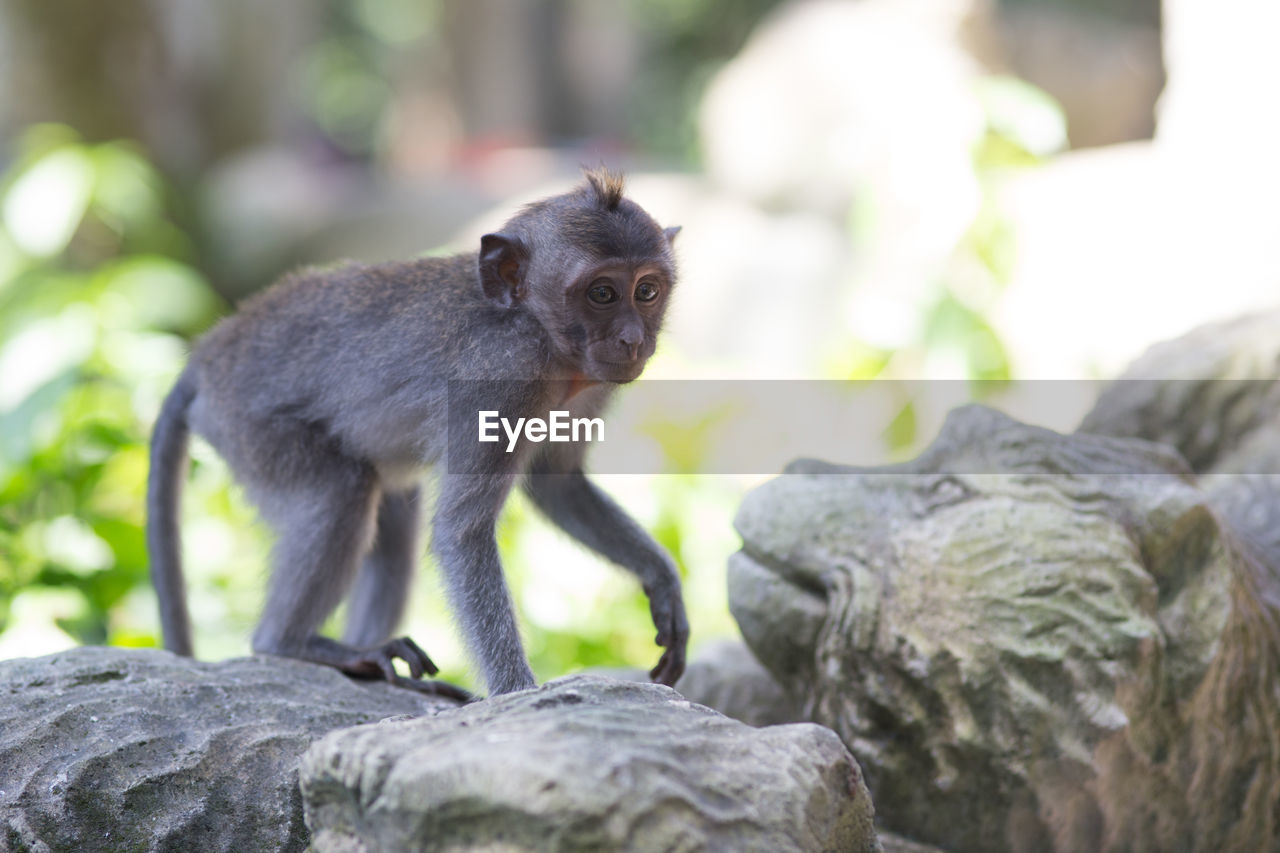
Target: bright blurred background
(899, 189)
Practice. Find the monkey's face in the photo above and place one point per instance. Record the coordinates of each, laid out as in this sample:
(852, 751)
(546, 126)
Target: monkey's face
(610, 317)
(595, 271)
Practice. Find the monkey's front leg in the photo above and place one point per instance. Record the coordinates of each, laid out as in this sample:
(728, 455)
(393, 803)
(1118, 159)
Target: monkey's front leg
(463, 539)
(586, 513)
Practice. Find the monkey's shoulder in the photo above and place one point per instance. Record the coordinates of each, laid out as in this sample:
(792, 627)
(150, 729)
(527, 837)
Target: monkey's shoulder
(382, 326)
(352, 288)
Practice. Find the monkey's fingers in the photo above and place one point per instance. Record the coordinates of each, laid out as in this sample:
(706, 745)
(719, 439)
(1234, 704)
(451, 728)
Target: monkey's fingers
(434, 688)
(670, 666)
(662, 664)
(381, 660)
(673, 634)
(411, 653)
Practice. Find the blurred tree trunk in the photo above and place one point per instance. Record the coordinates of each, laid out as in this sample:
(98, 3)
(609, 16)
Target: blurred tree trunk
(501, 77)
(67, 60)
(190, 80)
(540, 71)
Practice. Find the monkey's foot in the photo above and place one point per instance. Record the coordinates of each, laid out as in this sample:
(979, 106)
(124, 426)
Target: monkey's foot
(378, 662)
(434, 687)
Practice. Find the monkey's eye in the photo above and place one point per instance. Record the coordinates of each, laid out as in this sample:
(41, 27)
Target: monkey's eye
(602, 293)
(646, 291)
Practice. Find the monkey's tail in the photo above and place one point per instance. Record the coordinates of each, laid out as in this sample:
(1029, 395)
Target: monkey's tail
(164, 497)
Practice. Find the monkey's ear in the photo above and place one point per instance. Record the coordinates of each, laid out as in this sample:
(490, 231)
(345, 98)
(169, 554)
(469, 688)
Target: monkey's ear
(504, 262)
(671, 233)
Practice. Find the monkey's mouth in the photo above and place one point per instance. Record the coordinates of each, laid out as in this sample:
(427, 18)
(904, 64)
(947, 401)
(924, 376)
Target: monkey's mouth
(620, 372)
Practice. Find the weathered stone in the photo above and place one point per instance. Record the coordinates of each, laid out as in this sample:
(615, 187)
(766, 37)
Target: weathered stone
(897, 844)
(1213, 393)
(589, 764)
(1251, 504)
(132, 749)
(726, 677)
(1029, 641)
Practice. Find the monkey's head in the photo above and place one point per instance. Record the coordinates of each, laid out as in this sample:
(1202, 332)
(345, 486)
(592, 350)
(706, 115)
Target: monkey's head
(593, 268)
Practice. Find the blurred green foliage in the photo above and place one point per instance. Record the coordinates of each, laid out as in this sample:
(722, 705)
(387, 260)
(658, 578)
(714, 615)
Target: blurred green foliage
(1022, 126)
(343, 79)
(96, 295)
(694, 38)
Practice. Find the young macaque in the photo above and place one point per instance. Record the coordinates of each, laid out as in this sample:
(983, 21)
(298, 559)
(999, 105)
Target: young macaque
(329, 394)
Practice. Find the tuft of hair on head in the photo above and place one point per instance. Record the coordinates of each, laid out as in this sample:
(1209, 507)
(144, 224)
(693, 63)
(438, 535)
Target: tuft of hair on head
(606, 185)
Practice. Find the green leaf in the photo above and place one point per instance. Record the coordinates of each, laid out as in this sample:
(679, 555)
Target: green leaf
(45, 204)
(1023, 114)
(901, 431)
(160, 293)
(18, 433)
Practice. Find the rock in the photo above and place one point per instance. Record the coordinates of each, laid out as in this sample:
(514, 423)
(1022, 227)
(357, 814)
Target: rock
(1029, 641)
(726, 677)
(1213, 393)
(588, 764)
(1251, 504)
(131, 749)
(897, 844)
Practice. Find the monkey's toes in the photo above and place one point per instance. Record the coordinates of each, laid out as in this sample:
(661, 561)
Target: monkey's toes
(411, 653)
(381, 660)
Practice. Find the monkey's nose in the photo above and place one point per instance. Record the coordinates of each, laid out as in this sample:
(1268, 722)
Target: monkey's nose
(632, 345)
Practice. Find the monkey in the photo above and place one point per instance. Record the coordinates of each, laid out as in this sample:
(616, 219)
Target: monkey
(330, 393)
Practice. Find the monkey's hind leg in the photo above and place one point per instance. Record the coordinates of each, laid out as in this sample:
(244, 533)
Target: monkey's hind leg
(381, 591)
(324, 528)
(382, 587)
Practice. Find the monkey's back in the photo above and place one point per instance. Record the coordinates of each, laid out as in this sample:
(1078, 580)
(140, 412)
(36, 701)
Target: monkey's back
(358, 356)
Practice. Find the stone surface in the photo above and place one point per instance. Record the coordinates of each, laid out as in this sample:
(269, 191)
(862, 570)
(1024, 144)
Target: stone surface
(1213, 393)
(1029, 641)
(727, 677)
(129, 749)
(897, 844)
(584, 764)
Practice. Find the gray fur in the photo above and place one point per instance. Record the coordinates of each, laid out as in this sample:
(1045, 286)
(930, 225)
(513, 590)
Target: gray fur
(382, 587)
(164, 492)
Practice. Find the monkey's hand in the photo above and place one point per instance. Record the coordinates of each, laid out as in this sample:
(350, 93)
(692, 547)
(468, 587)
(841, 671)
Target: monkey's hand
(667, 608)
(379, 661)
